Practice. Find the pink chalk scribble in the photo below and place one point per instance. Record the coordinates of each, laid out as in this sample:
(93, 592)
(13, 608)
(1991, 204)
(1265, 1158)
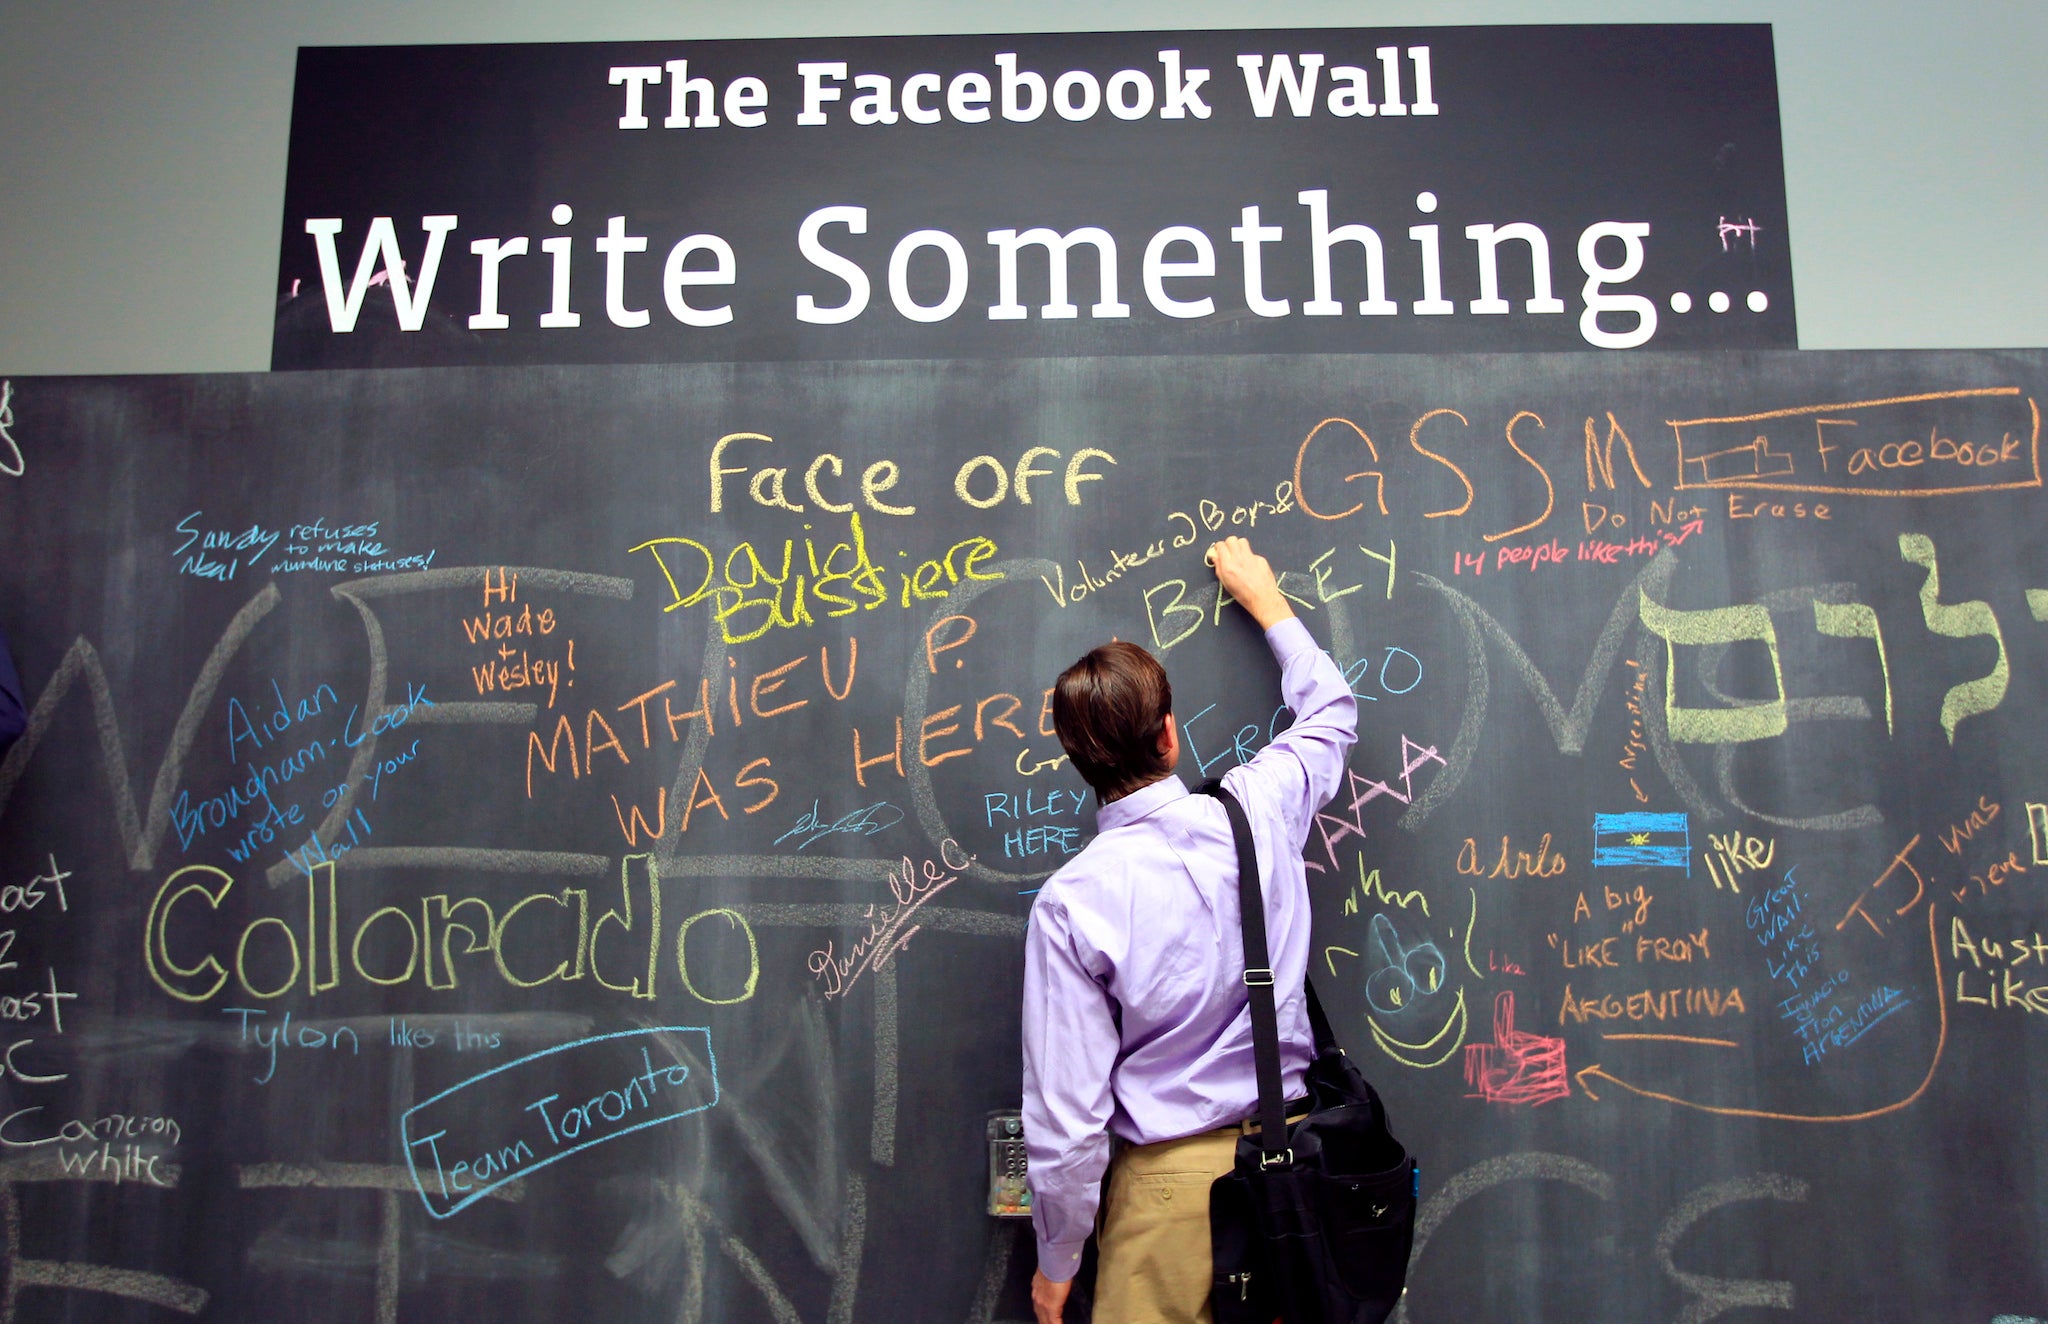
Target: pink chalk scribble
(1736, 229)
(1516, 1068)
(383, 276)
(1335, 827)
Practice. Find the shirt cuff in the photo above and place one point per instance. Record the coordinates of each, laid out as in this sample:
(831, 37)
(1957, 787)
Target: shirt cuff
(1287, 638)
(1059, 1261)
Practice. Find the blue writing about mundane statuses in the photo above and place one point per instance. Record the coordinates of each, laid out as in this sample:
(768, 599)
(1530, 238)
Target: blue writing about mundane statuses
(1029, 838)
(514, 1120)
(352, 549)
(1824, 1014)
(221, 550)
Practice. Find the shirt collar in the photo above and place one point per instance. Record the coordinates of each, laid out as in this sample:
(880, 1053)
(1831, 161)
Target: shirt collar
(1139, 803)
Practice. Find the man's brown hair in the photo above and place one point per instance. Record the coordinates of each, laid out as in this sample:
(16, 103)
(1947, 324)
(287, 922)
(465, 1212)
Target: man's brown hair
(1110, 710)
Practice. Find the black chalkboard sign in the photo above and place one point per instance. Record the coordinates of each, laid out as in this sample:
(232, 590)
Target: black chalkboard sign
(554, 843)
(1430, 190)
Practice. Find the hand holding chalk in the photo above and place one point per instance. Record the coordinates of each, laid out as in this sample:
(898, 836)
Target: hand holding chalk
(1249, 580)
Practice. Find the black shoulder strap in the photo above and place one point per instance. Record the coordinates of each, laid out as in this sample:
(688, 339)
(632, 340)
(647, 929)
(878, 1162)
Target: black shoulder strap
(1326, 1039)
(1258, 978)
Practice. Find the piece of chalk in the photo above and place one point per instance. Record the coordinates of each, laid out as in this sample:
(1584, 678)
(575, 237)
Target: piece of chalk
(1209, 557)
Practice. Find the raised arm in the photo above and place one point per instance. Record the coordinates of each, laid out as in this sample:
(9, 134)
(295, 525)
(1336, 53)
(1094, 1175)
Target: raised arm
(1301, 768)
(1249, 580)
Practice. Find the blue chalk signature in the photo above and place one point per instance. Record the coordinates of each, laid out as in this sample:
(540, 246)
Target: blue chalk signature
(877, 817)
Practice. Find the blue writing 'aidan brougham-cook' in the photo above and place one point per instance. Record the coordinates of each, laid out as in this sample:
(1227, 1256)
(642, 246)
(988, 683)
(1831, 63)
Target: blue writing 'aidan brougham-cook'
(286, 724)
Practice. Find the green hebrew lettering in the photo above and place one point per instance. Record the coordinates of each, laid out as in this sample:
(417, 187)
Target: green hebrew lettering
(1957, 621)
(1853, 620)
(1716, 625)
(2037, 603)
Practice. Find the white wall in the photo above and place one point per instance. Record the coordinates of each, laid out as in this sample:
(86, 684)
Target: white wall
(142, 147)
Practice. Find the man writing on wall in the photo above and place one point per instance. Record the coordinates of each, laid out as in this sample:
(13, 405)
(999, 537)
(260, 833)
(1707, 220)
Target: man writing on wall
(1137, 1024)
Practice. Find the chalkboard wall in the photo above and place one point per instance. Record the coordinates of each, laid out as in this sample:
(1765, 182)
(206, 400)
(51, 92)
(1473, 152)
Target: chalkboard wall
(554, 843)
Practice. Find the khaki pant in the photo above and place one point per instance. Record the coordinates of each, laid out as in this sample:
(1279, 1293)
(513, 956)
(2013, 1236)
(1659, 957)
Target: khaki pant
(1155, 1266)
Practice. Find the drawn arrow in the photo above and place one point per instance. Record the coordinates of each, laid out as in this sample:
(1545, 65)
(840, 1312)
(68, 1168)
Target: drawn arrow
(1940, 1045)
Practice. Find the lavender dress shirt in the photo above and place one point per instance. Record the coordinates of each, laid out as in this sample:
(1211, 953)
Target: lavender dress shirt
(1136, 1019)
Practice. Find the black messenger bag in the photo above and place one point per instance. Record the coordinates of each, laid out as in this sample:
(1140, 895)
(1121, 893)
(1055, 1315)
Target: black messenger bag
(1315, 1222)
